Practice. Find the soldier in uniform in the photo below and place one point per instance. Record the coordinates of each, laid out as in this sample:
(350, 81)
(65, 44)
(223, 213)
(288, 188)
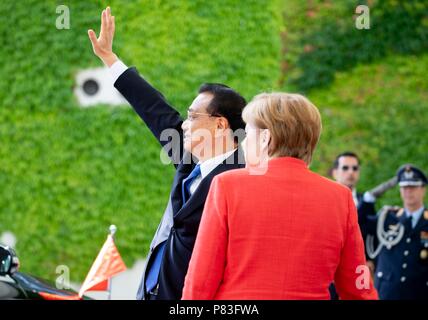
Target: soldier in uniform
(402, 253)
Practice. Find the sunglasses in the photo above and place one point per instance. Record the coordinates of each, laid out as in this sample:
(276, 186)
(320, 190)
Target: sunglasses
(354, 168)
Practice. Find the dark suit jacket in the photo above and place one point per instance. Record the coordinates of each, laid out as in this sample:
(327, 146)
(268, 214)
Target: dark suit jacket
(159, 115)
(366, 211)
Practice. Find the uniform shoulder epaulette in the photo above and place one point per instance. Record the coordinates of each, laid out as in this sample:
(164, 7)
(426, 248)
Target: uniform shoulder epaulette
(399, 212)
(395, 210)
(390, 208)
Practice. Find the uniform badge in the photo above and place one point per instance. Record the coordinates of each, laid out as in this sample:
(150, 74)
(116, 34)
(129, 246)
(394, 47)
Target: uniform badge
(408, 174)
(424, 254)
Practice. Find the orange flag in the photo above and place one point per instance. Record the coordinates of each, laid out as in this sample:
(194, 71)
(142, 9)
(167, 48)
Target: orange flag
(107, 264)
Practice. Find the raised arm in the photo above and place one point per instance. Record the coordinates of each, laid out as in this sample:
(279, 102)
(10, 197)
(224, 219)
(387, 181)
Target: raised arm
(367, 212)
(149, 103)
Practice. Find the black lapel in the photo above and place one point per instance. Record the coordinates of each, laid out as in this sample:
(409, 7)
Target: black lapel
(199, 196)
(359, 199)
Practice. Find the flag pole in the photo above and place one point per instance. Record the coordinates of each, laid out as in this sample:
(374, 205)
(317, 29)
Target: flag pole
(112, 230)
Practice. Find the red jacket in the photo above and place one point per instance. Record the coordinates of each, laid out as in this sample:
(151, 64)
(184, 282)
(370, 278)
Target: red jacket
(287, 234)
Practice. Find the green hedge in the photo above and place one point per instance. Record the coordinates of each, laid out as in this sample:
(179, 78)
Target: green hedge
(332, 42)
(379, 111)
(67, 173)
(370, 85)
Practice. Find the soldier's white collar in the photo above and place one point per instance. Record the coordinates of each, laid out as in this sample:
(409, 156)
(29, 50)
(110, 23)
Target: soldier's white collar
(416, 215)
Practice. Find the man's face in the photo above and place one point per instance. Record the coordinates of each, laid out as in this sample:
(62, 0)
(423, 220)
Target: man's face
(412, 196)
(199, 128)
(348, 172)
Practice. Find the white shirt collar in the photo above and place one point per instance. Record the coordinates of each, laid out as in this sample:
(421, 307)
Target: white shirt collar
(209, 165)
(355, 196)
(415, 214)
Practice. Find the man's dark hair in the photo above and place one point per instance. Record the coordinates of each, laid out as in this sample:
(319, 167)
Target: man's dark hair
(345, 154)
(226, 102)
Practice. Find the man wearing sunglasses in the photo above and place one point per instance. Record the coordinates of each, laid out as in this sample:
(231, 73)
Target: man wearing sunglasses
(346, 171)
(207, 145)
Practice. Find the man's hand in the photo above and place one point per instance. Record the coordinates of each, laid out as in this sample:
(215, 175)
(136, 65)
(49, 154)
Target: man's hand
(103, 46)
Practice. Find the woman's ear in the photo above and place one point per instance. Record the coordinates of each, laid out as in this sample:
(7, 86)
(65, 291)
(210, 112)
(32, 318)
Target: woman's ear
(266, 136)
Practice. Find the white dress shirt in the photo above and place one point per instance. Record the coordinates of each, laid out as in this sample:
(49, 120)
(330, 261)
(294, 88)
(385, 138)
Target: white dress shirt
(355, 197)
(206, 167)
(416, 215)
(117, 69)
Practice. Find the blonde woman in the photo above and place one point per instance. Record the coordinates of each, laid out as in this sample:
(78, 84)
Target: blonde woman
(276, 230)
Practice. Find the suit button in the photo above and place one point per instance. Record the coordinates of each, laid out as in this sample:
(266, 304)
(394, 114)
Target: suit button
(404, 265)
(403, 279)
(408, 240)
(406, 253)
(380, 274)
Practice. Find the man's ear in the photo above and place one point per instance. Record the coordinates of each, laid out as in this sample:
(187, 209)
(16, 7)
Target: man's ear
(222, 123)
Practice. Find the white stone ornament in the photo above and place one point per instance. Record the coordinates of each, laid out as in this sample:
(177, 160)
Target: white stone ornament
(95, 86)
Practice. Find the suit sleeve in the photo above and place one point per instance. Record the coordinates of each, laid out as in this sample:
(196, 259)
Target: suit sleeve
(154, 110)
(367, 217)
(352, 278)
(208, 260)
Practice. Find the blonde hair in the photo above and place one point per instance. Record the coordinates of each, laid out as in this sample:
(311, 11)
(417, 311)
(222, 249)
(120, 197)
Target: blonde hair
(293, 121)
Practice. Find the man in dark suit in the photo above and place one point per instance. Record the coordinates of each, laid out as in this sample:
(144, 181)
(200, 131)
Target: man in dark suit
(346, 171)
(202, 146)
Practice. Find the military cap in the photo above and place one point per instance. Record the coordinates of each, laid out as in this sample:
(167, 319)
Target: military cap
(409, 175)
